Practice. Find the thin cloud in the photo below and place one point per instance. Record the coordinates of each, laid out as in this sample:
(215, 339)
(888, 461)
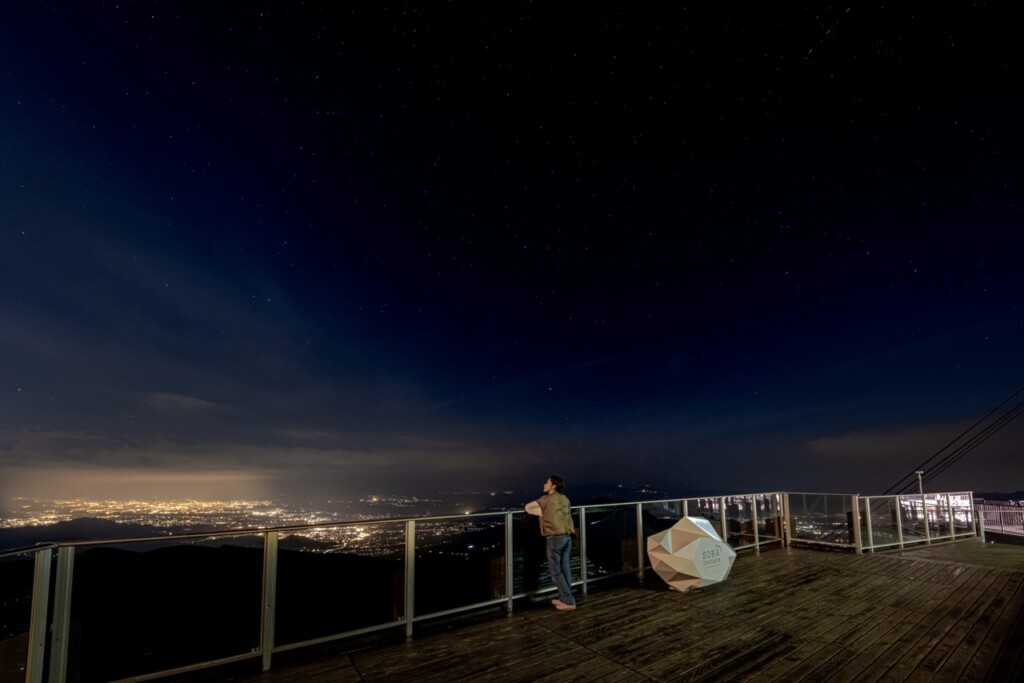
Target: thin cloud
(884, 443)
(179, 402)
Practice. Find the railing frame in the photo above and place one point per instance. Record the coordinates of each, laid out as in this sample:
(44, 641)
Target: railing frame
(37, 622)
(60, 628)
(862, 516)
(509, 566)
(410, 576)
(1000, 519)
(269, 611)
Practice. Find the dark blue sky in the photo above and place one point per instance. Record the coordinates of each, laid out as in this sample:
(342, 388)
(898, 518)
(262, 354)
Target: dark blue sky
(271, 247)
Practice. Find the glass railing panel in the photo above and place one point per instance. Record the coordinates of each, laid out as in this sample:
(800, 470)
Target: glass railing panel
(658, 517)
(938, 516)
(577, 561)
(912, 518)
(529, 566)
(459, 562)
(611, 540)
(739, 521)
(337, 579)
(16, 577)
(769, 516)
(963, 513)
(821, 518)
(708, 508)
(882, 513)
(662, 514)
(530, 574)
(139, 608)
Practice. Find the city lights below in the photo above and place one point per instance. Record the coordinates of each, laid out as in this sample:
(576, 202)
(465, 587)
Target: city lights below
(339, 533)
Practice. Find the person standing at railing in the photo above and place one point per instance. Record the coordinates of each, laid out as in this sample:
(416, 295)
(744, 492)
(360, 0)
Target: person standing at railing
(557, 528)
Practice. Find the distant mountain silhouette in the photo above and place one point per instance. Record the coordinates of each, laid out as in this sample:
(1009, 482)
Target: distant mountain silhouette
(1016, 495)
(603, 492)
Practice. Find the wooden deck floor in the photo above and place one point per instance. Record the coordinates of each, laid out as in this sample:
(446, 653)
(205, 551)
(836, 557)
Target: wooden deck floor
(945, 613)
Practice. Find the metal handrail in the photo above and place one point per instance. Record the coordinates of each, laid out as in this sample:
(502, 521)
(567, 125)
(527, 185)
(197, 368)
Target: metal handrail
(27, 549)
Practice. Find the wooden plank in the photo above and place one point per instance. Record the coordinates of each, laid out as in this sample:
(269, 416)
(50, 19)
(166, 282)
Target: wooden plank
(856, 669)
(879, 630)
(722, 663)
(909, 647)
(483, 647)
(886, 627)
(834, 629)
(712, 639)
(940, 629)
(541, 668)
(940, 651)
(1007, 632)
(833, 644)
(675, 613)
(778, 667)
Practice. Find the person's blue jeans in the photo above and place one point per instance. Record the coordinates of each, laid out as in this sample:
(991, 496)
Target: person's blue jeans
(559, 550)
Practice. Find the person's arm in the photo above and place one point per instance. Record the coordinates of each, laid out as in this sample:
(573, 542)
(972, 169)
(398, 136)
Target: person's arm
(533, 507)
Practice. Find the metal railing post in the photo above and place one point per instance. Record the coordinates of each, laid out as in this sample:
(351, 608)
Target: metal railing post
(583, 548)
(753, 513)
(37, 623)
(410, 576)
(972, 511)
(640, 542)
(871, 533)
(927, 525)
(509, 585)
(686, 507)
(855, 522)
(61, 615)
(952, 521)
(979, 519)
(723, 523)
(269, 607)
(899, 520)
(785, 520)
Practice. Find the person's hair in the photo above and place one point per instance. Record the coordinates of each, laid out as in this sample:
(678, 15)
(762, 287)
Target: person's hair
(558, 483)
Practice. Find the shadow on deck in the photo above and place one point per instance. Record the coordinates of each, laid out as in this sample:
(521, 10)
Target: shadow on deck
(952, 612)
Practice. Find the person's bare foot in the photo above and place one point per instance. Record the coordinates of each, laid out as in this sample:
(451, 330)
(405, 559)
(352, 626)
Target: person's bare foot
(564, 607)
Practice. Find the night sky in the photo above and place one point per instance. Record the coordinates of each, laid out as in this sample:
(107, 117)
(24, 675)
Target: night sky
(322, 248)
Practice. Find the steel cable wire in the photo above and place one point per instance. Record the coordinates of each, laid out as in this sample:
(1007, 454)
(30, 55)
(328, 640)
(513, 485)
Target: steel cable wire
(909, 486)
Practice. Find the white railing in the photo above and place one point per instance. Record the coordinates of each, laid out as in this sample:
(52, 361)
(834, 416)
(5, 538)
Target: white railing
(134, 607)
(1002, 519)
(873, 523)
